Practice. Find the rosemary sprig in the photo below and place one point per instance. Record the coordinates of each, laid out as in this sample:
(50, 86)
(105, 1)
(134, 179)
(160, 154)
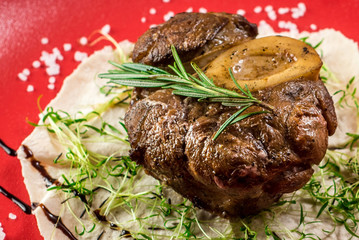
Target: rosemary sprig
(185, 84)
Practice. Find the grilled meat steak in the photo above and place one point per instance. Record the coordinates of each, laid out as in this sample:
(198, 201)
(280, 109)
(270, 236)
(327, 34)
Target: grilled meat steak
(252, 163)
(201, 35)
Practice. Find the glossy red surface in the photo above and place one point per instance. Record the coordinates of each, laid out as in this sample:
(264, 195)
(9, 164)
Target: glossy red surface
(24, 22)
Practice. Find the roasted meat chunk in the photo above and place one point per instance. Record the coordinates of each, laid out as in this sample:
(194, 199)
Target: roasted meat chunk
(254, 161)
(251, 164)
(201, 35)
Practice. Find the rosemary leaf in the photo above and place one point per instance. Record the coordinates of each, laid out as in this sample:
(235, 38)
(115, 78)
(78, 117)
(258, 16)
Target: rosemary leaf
(196, 86)
(229, 121)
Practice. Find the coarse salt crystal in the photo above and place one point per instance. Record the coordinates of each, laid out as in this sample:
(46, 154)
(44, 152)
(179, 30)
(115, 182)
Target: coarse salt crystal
(168, 16)
(202, 10)
(2, 234)
(299, 11)
(36, 64)
(258, 9)
(153, 25)
(302, 6)
(80, 56)
(292, 27)
(313, 27)
(57, 54)
(52, 79)
(264, 25)
(22, 77)
(143, 19)
(153, 11)
(268, 8)
(12, 216)
(295, 14)
(282, 24)
(241, 12)
(190, 9)
(51, 86)
(106, 29)
(282, 11)
(83, 41)
(44, 40)
(30, 88)
(166, 1)
(53, 69)
(26, 71)
(47, 58)
(272, 15)
(67, 47)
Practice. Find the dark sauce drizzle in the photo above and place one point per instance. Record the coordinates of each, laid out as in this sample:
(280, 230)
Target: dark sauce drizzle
(11, 152)
(56, 220)
(125, 233)
(24, 207)
(37, 165)
(101, 218)
(100, 236)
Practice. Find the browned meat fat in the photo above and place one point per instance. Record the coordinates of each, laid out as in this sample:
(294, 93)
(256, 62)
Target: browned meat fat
(252, 163)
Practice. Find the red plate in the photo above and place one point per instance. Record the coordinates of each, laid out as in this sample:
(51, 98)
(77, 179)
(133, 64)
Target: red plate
(23, 23)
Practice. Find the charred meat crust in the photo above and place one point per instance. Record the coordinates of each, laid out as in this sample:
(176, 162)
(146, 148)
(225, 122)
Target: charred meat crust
(192, 34)
(251, 164)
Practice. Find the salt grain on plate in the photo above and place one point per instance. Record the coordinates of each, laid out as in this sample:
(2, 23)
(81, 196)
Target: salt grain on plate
(272, 15)
(2, 234)
(83, 41)
(22, 77)
(282, 11)
(26, 71)
(241, 12)
(12, 216)
(292, 27)
(53, 69)
(30, 88)
(143, 19)
(168, 15)
(264, 25)
(190, 9)
(80, 56)
(268, 8)
(202, 10)
(153, 11)
(36, 64)
(51, 86)
(166, 1)
(57, 54)
(67, 47)
(258, 9)
(52, 79)
(313, 27)
(106, 29)
(44, 40)
(299, 11)
(302, 6)
(281, 24)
